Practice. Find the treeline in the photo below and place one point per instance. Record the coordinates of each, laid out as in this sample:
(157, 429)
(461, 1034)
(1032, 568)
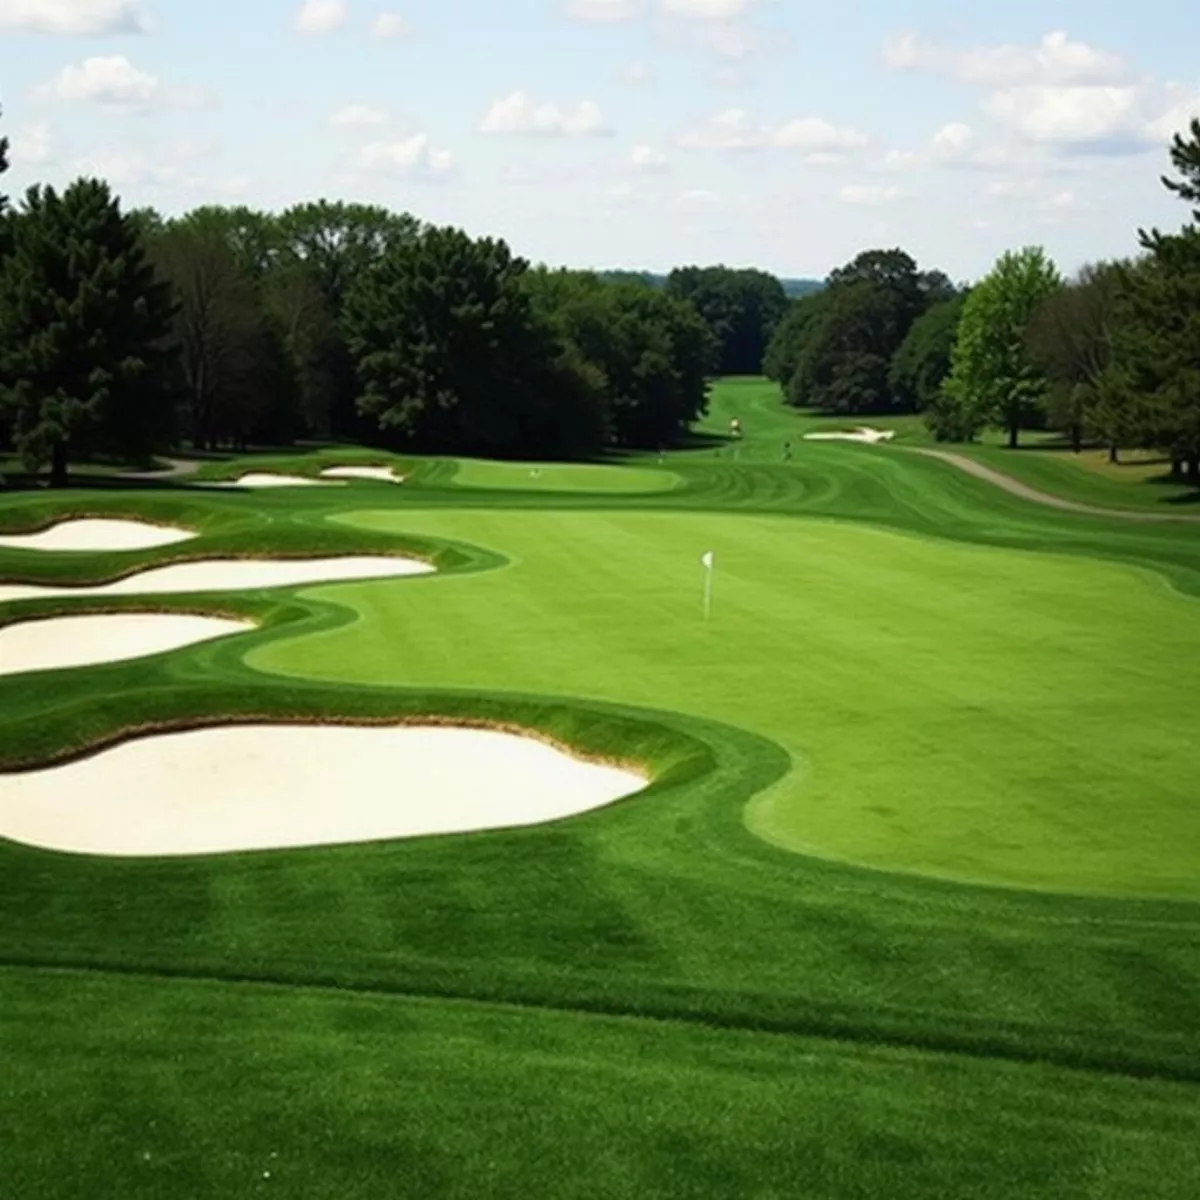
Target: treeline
(1109, 357)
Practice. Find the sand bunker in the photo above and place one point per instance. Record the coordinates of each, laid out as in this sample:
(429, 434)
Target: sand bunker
(232, 575)
(266, 479)
(383, 474)
(257, 787)
(98, 534)
(103, 638)
(862, 434)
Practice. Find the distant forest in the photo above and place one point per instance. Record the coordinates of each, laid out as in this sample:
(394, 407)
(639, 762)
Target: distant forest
(792, 288)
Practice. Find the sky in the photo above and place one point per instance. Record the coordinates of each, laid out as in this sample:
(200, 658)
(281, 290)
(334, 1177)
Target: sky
(782, 134)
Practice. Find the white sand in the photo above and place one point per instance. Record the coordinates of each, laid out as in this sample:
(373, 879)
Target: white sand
(97, 534)
(264, 479)
(862, 434)
(255, 787)
(232, 575)
(113, 637)
(383, 474)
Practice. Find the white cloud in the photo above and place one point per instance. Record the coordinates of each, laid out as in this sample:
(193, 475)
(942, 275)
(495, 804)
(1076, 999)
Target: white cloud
(390, 25)
(818, 139)
(706, 10)
(408, 156)
(869, 194)
(603, 12)
(518, 113)
(953, 141)
(1055, 60)
(817, 136)
(34, 144)
(353, 115)
(648, 159)
(636, 74)
(109, 80)
(79, 18)
(1055, 94)
(321, 16)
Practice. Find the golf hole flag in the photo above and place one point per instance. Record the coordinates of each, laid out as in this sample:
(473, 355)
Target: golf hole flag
(708, 559)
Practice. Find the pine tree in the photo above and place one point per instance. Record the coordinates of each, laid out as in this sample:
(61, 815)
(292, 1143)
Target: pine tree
(84, 323)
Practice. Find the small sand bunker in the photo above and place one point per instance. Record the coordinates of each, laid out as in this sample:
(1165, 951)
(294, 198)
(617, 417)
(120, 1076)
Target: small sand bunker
(862, 434)
(382, 474)
(233, 575)
(269, 479)
(58, 642)
(259, 787)
(96, 534)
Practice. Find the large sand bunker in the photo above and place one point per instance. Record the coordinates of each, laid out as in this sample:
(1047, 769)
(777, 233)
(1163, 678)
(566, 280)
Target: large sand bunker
(382, 474)
(271, 479)
(96, 534)
(862, 434)
(232, 575)
(257, 787)
(103, 638)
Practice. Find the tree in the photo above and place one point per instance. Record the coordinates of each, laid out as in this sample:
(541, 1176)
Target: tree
(921, 365)
(84, 325)
(791, 335)
(992, 377)
(1185, 155)
(842, 348)
(1070, 339)
(218, 327)
(445, 344)
(740, 308)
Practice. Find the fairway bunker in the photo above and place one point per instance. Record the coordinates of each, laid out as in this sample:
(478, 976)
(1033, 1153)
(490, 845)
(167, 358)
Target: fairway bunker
(270, 479)
(262, 787)
(233, 575)
(57, 642)
(863, 434)
(97, 534)
(378, 474)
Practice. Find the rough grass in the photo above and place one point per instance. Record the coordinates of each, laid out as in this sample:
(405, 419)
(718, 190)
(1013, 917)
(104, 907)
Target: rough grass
(649, 999)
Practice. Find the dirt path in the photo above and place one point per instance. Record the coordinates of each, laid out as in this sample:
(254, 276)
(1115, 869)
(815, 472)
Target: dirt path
(179, 468)
(1016, 488)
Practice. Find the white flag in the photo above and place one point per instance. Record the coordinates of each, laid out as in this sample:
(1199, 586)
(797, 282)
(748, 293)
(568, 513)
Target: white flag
(707, 560)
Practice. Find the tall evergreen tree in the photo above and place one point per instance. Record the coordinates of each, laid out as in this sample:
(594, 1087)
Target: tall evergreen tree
(84, 325)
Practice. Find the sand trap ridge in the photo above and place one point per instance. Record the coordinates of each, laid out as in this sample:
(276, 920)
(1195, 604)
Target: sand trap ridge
(862, 434)
(383, 474)
(255, 787)
(98, 534)
(102, 638)
(232, 575)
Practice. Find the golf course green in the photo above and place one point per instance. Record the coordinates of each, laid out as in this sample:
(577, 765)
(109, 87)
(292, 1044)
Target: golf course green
(910, 908)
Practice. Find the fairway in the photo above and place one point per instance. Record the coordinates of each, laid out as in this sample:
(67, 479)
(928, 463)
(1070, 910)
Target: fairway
(910, 905)
(900, 712)
(561, 477)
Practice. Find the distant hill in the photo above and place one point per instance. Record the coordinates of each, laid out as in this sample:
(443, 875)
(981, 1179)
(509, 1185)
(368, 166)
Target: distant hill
(793, 287)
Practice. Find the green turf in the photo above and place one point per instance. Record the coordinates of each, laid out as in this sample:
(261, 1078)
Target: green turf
(1042, 462)
(203, 1090)
(551, 477)
(899, 710)
(650, 998)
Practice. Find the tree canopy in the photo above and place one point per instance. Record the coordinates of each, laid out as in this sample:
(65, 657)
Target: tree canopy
(741, 309)
(85, 360)
(993, 378)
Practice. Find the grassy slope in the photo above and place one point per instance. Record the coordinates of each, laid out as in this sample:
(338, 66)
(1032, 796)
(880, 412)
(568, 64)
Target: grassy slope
(1041, 462)
(666, 906)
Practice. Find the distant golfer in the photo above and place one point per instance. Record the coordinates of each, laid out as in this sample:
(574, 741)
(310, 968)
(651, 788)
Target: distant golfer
(787, 451)
(735, 428)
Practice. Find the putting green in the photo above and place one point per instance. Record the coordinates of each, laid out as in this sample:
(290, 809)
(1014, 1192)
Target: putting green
(975, 713)
(562, 477)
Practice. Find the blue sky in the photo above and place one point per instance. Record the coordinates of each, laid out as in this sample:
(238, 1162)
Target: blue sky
(641, 133)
